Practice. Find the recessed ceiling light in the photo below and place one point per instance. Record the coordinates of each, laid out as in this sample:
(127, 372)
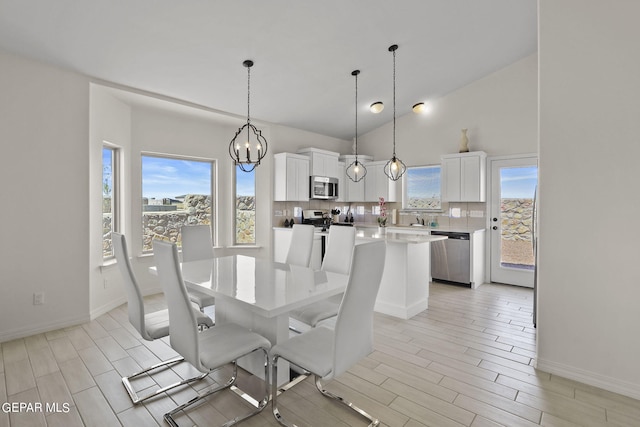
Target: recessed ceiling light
(376, 107)
(419, 107)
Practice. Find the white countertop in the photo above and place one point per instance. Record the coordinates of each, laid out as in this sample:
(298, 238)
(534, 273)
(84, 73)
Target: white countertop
(370, 233)
(426, 228)
(404, 229)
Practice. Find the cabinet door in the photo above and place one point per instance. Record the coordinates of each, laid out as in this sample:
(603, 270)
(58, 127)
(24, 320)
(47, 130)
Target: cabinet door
(355, 190)
(451, 179)
(342, 182)
(301, 178)
(470, 179)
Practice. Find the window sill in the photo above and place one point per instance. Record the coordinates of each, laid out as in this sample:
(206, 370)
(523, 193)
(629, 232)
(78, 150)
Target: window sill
(244, 247)
(108, 264)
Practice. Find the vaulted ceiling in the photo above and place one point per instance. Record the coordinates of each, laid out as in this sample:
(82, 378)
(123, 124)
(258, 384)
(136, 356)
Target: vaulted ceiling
(304, 51)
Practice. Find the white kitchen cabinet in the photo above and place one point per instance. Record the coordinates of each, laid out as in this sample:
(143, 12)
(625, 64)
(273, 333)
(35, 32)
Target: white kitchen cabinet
(377, 184)
(354, 191)
(322, 162)
(291, 177)
(341, 182)
(282, 241)
(464, 177)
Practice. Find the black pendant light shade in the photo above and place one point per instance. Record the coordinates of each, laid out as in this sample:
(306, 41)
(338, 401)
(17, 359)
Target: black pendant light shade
(248, 152)
(356, 170)
(395, 167)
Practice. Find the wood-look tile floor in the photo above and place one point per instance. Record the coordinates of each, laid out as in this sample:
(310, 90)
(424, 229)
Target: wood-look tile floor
(466, 361)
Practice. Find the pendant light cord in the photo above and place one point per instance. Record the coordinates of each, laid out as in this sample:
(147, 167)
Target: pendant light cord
(356, 74)
(248, 93)
(394, 101)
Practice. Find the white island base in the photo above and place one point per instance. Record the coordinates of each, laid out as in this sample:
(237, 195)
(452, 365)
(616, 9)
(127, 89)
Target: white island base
(404, 290)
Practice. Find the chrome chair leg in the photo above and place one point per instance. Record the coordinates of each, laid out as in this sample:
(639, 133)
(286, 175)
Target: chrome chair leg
(168, 417)
(126, 381)
(373, 421)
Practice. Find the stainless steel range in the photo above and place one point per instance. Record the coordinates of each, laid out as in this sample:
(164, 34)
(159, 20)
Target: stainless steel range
(317, 218)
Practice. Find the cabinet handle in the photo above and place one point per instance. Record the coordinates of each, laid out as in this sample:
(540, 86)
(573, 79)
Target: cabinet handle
(495, 227)
(495, 219)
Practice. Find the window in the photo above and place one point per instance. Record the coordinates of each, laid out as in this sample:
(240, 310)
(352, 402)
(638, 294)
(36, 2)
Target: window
(110, 196)
(245, 207)
(176, 191)
(422, 188)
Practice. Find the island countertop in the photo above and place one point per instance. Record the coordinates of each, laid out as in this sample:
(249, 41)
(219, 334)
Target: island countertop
(391, 236)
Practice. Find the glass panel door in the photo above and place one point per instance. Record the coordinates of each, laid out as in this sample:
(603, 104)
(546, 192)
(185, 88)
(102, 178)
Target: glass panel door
(513, 186)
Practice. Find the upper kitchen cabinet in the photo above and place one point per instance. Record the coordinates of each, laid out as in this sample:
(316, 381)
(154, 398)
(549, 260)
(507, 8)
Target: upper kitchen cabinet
(464, 177)
(353, 191)
(291, 177)
(341, 182)
(377, 184)
(322, 162)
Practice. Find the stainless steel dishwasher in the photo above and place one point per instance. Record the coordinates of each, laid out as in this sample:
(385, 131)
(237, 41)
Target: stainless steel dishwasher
(450, 258)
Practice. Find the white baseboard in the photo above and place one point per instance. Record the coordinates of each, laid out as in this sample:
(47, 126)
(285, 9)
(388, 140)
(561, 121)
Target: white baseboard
(615, 385)
(400, 311)
(105, 308)
(42, 327)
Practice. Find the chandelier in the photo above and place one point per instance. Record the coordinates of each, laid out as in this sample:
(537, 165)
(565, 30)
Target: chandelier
(394, 168)
(248, 154)
(356, 170)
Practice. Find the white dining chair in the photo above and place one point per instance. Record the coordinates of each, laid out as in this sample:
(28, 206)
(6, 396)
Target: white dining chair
(151, 326)
(301, 245)
(327, 353)
(337, 259)
(208, 350)
(197, 245)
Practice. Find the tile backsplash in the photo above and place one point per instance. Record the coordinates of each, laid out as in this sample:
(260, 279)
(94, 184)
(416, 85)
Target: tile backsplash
(453, 214)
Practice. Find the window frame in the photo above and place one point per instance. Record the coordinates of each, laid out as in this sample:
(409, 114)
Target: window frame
(405, 189)
(235, 209)
(213, 183)
(116, 201)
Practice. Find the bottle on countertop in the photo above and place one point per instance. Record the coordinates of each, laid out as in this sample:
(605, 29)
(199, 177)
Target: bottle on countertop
(291, 223)
(286, 223)
(350, 217)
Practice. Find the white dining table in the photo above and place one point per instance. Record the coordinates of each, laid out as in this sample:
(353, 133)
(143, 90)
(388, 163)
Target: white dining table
(259, 294)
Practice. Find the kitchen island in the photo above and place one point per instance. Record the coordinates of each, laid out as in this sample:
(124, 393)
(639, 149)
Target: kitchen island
(404, 290)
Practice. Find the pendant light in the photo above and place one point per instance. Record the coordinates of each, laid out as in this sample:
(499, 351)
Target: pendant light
(394, 168)
(356, 170)
(245, 155)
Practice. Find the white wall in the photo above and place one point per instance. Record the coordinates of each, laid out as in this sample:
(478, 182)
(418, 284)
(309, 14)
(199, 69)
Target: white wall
(500, 111)
(589, 285)
(110, 121)
(44, 182)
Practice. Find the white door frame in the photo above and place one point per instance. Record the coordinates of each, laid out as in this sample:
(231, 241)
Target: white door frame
(490, 201)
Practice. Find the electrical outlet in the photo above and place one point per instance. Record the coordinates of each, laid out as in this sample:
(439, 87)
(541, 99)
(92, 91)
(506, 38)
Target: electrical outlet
(38, 298)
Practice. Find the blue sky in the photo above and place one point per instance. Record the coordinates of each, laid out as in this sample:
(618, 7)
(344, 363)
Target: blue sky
(518, 182)
(423, 182)
(163, 177)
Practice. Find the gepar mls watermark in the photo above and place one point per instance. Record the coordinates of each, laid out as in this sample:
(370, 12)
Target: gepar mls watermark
(35, 407)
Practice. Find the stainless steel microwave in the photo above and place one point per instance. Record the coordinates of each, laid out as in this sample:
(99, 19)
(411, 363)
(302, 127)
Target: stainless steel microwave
(323, 187)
